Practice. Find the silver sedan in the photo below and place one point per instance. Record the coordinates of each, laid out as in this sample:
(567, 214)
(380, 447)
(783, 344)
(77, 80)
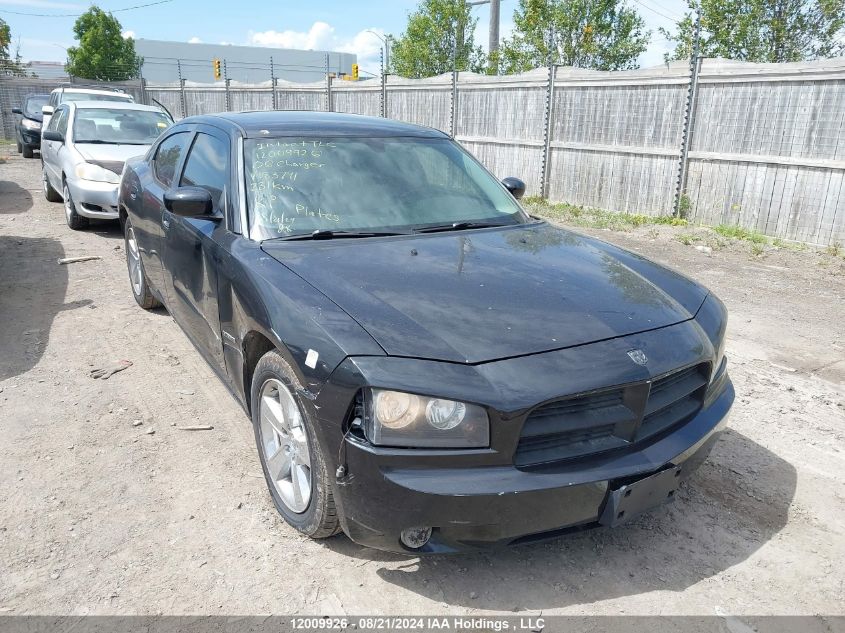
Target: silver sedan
(84, 148)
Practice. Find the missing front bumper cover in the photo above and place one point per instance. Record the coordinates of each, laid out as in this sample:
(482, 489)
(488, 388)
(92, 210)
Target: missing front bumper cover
(631, 500)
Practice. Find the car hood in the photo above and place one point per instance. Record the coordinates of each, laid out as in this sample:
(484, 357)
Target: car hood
(95, 153)
(481, 295)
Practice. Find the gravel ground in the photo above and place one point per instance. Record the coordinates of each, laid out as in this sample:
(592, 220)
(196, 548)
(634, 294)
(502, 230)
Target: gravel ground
(107, 507)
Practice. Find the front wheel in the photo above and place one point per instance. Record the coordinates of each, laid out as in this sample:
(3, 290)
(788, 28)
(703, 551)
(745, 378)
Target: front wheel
(74, 220)
(20, 147)
(137, 279)
(291, 456)
(27, 151)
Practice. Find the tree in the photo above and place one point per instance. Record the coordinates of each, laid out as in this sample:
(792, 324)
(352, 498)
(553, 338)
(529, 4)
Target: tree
(763, 30)
(598, 34)
(9, 65)
(438, 38)
(103, 53)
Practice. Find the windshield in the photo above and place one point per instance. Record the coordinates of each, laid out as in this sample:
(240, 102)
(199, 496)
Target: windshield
(33, 105)
(66, 96)
(299, 185)
(118, 126)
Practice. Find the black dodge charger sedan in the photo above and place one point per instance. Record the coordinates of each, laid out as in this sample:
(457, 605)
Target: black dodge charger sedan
(427, 367)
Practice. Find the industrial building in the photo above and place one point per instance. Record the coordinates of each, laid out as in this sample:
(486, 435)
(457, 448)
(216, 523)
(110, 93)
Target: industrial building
(246, 64)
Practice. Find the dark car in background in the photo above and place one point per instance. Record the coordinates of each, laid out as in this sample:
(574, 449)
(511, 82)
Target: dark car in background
(28, 124)
(427, 367)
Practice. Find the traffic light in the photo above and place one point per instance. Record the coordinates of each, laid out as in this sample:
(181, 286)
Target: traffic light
(218, 72)
(354, 72)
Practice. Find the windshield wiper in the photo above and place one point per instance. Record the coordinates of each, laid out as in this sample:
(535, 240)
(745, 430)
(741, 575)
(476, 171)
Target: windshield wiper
(328, 234)
(457, 226)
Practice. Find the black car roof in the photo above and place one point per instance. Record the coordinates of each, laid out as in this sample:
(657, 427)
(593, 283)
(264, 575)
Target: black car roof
(264, 124)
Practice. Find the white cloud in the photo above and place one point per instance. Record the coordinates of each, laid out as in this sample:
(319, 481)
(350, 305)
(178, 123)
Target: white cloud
(195, 40)
(322, 36)
(319, 36)
(127, 34)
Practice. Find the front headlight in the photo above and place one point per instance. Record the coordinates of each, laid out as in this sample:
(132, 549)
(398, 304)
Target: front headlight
(88, 171)
(396, 418)
(29, 124)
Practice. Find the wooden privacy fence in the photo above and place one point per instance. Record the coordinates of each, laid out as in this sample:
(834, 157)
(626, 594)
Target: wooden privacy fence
(765, 149)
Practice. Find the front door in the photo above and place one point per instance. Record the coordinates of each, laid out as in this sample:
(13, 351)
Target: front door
(163, 174)
(191, 246)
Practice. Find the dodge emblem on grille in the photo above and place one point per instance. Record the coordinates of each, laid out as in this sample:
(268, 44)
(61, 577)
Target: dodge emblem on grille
(638, 356)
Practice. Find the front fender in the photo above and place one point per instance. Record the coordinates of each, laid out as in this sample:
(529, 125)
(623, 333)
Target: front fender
(258, 295)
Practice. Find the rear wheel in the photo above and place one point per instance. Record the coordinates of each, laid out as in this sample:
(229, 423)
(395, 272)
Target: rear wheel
(290, 454)
(51, 194)
(137, 279)
(27, 151)
(74, 220)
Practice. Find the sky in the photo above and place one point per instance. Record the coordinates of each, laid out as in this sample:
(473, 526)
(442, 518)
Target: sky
(321, 25)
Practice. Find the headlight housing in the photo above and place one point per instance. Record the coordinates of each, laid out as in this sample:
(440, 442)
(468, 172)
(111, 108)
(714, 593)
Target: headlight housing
(89, 171)
(29, 124)
(713, 319)
(396, 418)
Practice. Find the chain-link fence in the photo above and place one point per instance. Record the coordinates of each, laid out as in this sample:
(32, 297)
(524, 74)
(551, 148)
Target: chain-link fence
(765, 149)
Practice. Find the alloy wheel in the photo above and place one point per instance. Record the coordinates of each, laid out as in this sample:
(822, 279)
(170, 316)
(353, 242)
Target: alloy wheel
(68, 203)
(284, 441)
(136, 273)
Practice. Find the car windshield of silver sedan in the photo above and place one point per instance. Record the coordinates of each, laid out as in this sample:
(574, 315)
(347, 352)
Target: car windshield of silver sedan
(361, 187)
(118, 126)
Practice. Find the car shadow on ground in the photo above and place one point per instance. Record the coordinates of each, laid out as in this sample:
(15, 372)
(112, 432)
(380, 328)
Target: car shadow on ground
(109, 229)
(14, 198)
(32, 293)
(721, 519)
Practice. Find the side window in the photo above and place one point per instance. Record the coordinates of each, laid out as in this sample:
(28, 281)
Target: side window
(167, 157)
(61, 126)
(56, 120)
(208, 167)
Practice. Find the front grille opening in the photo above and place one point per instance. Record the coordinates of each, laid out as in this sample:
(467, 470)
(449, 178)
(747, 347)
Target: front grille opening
(612, 419)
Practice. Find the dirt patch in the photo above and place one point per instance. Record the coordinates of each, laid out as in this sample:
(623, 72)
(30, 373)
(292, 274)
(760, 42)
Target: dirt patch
(107, 507)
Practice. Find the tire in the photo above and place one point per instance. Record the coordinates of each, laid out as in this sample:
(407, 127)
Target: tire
(51, 194)
(20, 147)
(74, 220)
(318, 519)
(27, 151)
(137, 278)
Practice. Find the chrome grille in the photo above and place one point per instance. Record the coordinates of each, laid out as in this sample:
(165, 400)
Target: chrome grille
(610, 419)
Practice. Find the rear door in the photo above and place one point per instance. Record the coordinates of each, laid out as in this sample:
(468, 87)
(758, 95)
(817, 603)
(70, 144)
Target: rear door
(161, 176)
(191, 245)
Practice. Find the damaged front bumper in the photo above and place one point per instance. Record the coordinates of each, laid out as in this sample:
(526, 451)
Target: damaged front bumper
(97, 200)
(484, 497)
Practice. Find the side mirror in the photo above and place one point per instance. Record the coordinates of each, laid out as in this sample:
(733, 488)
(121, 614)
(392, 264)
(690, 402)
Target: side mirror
(52, 135)
(190, 202)
(48, 110)
(17, 111)
(515, 186)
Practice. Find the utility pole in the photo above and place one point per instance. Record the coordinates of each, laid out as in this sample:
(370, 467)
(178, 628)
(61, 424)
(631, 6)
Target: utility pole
(493, 42)
(493, 39)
